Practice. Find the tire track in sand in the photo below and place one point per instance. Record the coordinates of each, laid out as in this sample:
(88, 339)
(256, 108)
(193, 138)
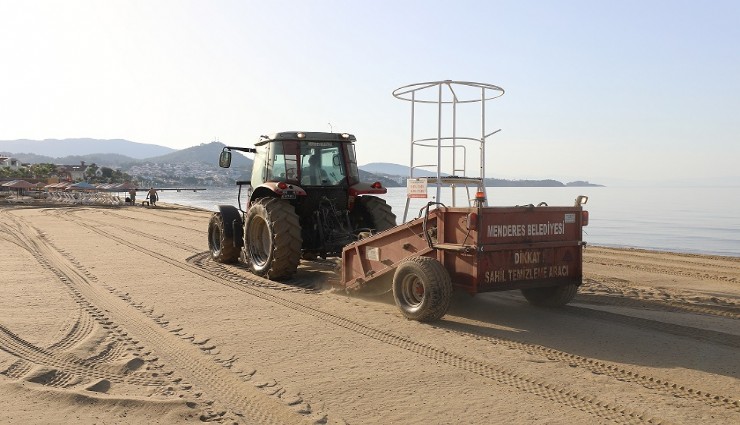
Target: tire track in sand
(73, 330)
(597, 289)
(725, 269)
(585, 402)
(212, 378)
(674, 389)
(53, 356)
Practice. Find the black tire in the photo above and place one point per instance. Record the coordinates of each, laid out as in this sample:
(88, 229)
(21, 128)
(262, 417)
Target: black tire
(374, 213)
(272, 239)
(221, 246)
(551, 296)
(422, 289)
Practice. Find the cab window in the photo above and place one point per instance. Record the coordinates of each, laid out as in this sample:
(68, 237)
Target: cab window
(284, 164)
(354, 172)
(259, 171)
(322, 164)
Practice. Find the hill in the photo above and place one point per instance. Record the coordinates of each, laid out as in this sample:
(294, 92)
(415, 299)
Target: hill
(205, 153)
(536, 183)
(153, 162)
(112, 160)
(84, 146)
(387, 168)
(366, 176)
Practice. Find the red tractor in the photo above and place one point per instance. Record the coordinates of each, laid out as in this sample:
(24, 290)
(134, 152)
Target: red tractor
(305, 200)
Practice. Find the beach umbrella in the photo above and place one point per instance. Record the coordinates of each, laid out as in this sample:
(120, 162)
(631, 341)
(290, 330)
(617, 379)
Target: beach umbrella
(19, 184)
(58, 186)
(82, 186)
(126, 186)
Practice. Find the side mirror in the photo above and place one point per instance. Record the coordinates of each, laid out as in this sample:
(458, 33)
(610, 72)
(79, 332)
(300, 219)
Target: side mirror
(224, 160)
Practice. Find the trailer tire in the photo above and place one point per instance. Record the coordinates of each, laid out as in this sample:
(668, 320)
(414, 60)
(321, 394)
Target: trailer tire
(374, 213)
(422, 289)
(551, 296)
(272, 239)
(221, 246)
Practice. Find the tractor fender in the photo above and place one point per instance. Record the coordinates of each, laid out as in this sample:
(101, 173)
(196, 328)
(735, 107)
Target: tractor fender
(233, 224)
(366, 188)
(273, 190)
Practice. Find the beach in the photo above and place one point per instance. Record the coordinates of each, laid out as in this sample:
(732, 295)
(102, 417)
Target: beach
(117, 315)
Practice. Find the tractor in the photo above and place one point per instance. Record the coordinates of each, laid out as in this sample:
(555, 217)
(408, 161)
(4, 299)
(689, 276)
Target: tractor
(305, 200)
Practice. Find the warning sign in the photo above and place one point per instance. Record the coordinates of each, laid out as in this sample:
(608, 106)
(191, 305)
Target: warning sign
(416, 188)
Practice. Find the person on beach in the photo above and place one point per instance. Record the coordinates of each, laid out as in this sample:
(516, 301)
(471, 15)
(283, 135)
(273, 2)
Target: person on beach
(132, 196)
(152, 196)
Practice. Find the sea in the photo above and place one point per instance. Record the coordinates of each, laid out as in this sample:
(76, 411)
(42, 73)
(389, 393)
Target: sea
(699, 220)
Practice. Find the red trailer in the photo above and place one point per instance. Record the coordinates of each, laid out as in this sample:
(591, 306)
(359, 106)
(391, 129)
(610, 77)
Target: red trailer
(536, 249)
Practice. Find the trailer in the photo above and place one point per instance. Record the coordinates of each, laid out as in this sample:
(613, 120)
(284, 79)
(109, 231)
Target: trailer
(537, 249)
(475, 248)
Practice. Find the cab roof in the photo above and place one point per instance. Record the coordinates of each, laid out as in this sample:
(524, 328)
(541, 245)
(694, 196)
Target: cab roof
(306, 135)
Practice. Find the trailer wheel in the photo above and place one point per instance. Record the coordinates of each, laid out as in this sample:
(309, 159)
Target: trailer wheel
(272, 239)
(551, 296)
(221, 246)
(422, 289)
(373, 213)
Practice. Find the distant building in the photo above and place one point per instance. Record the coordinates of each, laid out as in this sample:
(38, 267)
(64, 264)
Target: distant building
(72, 172)
(12, 163)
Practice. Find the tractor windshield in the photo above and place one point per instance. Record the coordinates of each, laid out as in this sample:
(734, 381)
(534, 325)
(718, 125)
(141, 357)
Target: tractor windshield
(322, 164)
(311, 163)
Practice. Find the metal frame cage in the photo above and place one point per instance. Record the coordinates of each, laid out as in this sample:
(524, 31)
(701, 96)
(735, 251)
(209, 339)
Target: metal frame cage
(448, 93)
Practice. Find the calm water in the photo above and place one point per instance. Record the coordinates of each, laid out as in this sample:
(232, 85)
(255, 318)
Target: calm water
(693, 220)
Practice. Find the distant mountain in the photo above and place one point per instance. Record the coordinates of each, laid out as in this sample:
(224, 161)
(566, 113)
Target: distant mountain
(126, 155)
(371, 177)
(205, 153)
(580, 183)
(30, 158)
(399, 173)
(536, 183)
(386, 168)
(103, 159)
(65, 147)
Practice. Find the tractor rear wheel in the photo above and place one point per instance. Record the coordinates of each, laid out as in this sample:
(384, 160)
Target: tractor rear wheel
(221, 246)
(551, 296)
(422, 289)
(272, 239)
(374, 213)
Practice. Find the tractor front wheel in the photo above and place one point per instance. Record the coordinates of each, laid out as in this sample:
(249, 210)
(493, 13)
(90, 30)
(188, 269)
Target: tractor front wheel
(272, 239)
(221, 246)
(551, 296)
(422, 289)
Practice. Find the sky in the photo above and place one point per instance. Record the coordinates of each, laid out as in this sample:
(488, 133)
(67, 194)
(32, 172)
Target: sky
(605, 91)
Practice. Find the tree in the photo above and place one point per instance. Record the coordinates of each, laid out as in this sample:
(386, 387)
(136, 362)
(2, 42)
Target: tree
(107, 173)
(42, 171)
(91, 170)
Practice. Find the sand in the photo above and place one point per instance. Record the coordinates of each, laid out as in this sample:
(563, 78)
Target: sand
(117, 315)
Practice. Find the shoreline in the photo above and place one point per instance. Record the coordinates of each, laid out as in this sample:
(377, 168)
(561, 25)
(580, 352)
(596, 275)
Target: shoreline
(41, 204)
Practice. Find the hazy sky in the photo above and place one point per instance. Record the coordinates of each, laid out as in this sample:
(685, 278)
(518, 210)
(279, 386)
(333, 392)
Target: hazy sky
(606, 91)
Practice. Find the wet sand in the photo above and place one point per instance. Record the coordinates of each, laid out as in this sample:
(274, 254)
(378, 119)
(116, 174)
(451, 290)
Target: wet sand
(117, 315)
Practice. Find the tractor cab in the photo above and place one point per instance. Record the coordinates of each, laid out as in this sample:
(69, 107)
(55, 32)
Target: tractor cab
(308, 185)
(306, 159)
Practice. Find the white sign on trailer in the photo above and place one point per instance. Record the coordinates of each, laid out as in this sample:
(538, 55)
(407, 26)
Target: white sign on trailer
(416, 188)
